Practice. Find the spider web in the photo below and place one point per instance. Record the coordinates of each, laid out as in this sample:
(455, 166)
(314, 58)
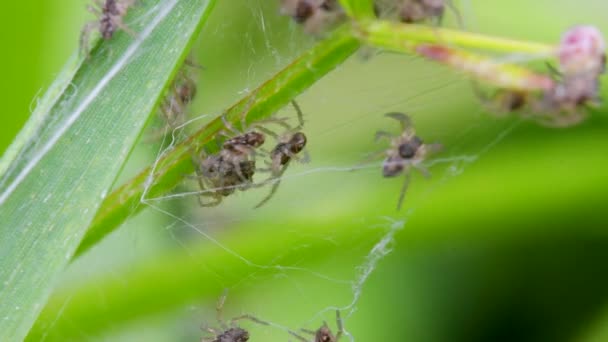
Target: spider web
(331, 223)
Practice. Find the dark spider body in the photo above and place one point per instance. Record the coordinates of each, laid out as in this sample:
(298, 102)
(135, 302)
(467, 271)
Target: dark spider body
(324, 335)
(245, 143)
(186, 90)
(314, 15)
(110, 14)
(304, 10)
(107, 25)
(413, 11)
(225, 175)
(407, 151)
(174, 104)
(233, 335)
(284, 151)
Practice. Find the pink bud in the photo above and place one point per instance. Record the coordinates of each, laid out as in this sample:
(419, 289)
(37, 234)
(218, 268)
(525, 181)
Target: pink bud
(582, 50)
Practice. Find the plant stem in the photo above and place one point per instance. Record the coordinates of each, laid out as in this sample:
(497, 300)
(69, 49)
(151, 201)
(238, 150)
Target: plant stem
(394, 36)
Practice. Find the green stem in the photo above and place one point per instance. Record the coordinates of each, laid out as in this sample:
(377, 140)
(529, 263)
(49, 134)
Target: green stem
(393, 35)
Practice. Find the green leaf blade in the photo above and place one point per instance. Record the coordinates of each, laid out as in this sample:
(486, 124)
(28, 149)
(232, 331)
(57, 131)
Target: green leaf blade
(53, 190)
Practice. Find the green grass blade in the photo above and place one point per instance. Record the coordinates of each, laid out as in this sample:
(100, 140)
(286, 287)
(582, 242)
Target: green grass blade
(53, 189)
(263, 102)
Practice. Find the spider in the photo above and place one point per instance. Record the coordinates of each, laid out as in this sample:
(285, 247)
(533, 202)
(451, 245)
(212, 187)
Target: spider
(582, 60)
(414, 11)
(323, 334)
(232, 167)
(229, 332)
(110, 14)
(315, 15)
(173, 107)
(407, 150)
(288, 148)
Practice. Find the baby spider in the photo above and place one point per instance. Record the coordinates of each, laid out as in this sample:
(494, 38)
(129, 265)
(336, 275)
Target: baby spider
(414, 11)
(407, 150)
(181, 94)
(110, 14)
(314, 15)
(229, 332)
(323, 334)
(287, 149)
(232, 167)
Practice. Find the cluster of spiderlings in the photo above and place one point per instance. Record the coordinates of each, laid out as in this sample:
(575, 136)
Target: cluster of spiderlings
(230, 169)
(315, 16)
(407, 150)
(110, 16)
(234, 166)
(581, 61)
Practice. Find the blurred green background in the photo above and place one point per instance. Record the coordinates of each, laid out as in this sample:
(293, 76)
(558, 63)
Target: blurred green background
(506, 242)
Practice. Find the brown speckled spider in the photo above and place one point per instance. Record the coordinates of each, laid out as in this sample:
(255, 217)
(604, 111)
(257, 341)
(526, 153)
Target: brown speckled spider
(323, 334)
(314, 15)
(229, 332)
(110, 14)
(181, 93)
(416, 11)
(232, 167)
(289, 146)
(407, 150)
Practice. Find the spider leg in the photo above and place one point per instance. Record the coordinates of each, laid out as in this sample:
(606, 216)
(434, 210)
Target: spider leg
(295, 334)
(456, 12)
(304, 157)
(247, 109)
(94, 10)
(219, 309)
(277, 178)
(383, 134)
(267, 131)
(406, 183)
(228, 126)
(217, 200)
(433, 148)
(249, 317)
(308, 331)
(277, 121)
(300, 115)
(370, 157)
(121, 24)
(404, 120)
(244, 182)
